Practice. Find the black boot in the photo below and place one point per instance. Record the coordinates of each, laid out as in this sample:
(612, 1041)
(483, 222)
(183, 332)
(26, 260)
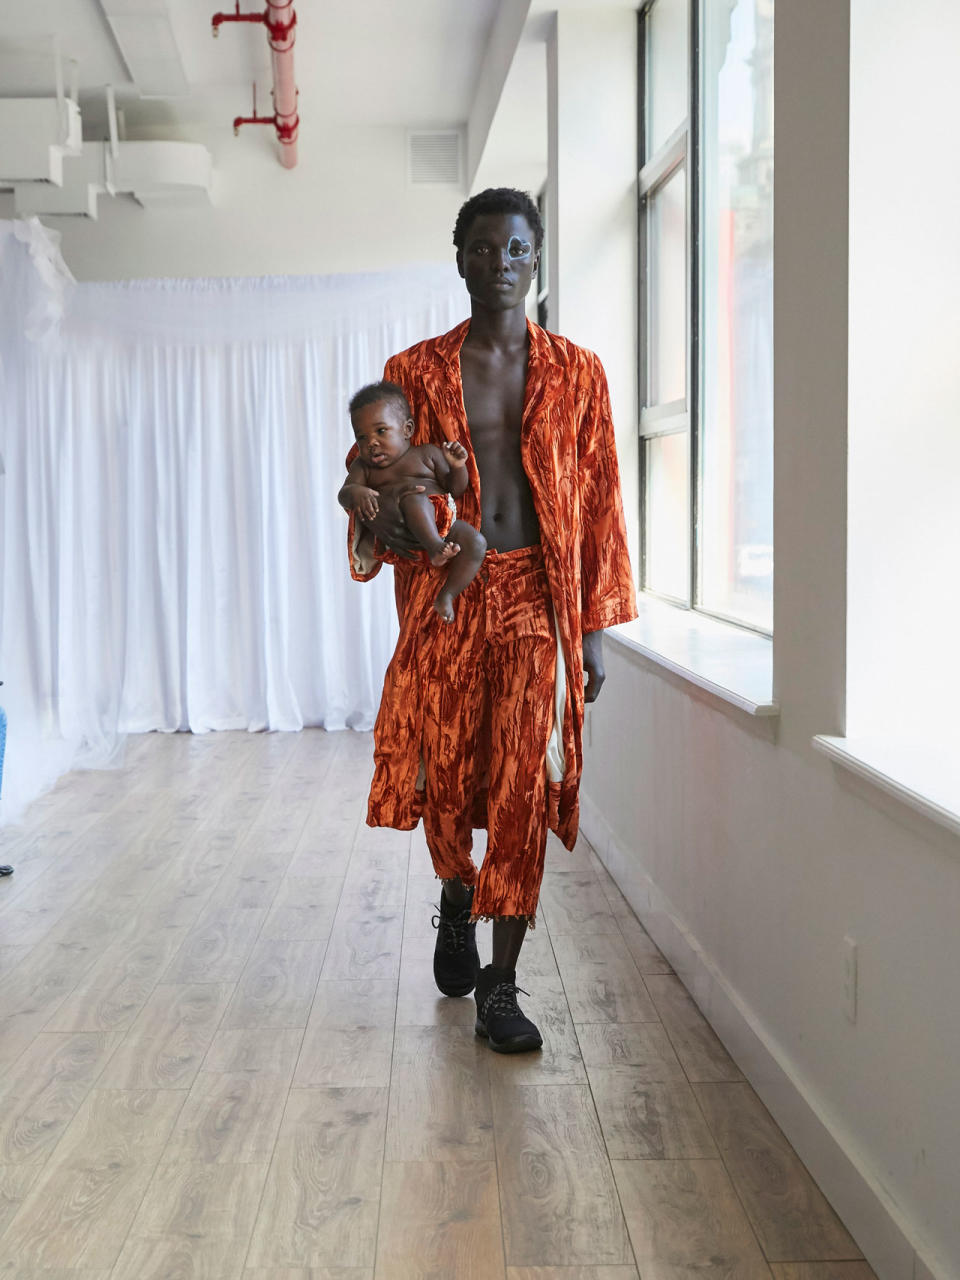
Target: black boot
(456, 961)
(499, 1017)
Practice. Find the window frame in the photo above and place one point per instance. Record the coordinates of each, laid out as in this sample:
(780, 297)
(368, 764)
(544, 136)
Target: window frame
(681, 149)
(543, 275)
(678, 152)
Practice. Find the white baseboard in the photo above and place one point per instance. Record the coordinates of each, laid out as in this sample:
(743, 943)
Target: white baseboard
(887, 1241)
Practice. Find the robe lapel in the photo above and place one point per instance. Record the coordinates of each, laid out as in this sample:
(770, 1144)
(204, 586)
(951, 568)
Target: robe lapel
(538, 430)
(540, 364)
(443, 390)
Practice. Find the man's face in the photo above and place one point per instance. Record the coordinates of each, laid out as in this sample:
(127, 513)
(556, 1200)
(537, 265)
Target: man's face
(498, 260)
(383, 435)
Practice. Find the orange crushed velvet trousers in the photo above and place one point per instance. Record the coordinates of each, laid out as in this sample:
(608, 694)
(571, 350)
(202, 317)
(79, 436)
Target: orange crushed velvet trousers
(492, 699)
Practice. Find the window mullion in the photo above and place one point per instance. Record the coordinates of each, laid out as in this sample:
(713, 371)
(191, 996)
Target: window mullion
(668, 158)
(664, 306)
(704, 187)
(642, 318)
(657, 419)
(693, 295)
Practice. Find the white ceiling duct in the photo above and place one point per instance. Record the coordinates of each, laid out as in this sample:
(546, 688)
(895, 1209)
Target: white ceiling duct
(84, 179)
(156, 174)
(36, 134)
(144, 34)
(164, 173)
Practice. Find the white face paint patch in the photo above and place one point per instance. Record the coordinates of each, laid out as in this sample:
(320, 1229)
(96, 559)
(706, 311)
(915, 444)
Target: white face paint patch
(518, 248)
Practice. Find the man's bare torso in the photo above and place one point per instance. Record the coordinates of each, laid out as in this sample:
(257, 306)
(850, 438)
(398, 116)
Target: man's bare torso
(493, 393)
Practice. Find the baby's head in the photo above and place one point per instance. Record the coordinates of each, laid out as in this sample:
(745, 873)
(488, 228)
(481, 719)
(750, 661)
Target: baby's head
(382, 423)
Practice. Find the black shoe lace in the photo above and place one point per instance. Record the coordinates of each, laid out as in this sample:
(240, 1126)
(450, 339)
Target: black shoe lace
(503, 999)
(454, 930)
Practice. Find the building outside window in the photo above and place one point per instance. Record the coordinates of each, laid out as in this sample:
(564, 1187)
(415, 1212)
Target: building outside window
(706, 206)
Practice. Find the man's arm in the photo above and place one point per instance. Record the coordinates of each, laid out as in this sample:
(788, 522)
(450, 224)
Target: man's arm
(606, 582)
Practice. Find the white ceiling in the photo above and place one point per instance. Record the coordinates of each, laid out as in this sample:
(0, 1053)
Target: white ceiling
(515, 153)
(407, 62)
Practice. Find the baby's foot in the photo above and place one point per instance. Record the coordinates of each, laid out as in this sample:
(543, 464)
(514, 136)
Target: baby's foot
(444, 606)
(446, 552)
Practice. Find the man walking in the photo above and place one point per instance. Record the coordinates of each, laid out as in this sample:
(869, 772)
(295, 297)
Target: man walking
(480, 721)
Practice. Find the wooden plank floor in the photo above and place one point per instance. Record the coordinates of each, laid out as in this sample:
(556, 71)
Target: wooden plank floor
(223, 1056)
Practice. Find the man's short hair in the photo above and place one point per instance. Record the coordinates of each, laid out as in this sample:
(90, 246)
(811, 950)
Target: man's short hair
(377, 391)
(498, 200)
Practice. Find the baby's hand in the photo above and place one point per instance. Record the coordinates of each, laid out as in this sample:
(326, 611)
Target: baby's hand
(365, 502)
(456, 453)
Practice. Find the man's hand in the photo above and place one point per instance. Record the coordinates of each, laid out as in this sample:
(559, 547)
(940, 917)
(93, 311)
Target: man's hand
(389, 525)
(593, 664)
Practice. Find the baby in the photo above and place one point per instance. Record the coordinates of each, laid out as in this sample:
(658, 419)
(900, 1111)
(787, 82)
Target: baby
(388, 463)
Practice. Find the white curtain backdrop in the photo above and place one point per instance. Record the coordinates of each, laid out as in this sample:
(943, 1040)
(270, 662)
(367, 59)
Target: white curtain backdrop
(173, 553)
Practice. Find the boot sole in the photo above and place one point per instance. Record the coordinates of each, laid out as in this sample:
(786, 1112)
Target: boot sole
(517, 1044)
(455, 991)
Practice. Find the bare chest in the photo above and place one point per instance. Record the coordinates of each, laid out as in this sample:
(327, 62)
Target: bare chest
(493, 394)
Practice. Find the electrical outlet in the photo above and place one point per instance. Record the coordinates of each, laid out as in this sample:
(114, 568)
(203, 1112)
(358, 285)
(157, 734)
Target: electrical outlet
(850, 978)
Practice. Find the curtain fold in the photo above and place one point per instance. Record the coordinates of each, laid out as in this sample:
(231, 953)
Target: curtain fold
(173, 553)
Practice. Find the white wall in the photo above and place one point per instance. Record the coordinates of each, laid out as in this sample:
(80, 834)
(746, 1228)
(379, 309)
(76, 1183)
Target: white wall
(592, 207)
(749, 863)
(811, 85)
(582, 61)
(498, 58)
(904, 535)
(748, 855)
(346, 207)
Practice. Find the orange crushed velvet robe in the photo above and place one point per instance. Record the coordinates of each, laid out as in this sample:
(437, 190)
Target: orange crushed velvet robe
(569, 455)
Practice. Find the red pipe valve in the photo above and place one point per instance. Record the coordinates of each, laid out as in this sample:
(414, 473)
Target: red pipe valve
(280, 19)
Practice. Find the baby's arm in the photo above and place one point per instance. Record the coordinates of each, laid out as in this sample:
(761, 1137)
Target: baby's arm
(356, 495)
(451, 467)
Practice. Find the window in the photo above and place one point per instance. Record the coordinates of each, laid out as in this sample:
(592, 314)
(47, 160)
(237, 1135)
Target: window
(706, 375)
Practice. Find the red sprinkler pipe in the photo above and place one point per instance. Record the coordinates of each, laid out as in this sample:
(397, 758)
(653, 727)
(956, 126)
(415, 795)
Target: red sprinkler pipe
(280, 20)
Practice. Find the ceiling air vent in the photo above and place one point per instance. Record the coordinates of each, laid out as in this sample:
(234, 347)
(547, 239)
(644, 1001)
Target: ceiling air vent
(434, 158)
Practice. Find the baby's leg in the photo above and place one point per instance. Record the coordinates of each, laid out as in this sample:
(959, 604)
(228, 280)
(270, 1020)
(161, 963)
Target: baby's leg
(422, 522)
(463, 570)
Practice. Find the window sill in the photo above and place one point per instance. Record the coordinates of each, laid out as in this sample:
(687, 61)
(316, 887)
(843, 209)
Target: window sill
(923, 777)
(733, 664)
